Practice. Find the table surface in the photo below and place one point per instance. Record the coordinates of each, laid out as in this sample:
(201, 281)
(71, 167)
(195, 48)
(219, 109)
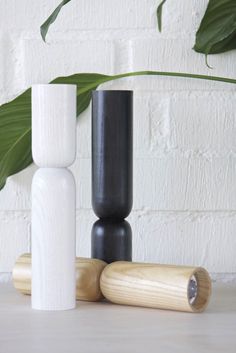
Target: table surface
(109, 328)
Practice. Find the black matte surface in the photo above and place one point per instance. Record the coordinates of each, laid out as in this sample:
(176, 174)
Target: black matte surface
(111, 240)
(112, 153)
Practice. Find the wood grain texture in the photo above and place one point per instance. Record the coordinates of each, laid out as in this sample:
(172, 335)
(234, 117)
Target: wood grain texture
(155, 286)
(53, 239)
(88, 272)
(53, 125)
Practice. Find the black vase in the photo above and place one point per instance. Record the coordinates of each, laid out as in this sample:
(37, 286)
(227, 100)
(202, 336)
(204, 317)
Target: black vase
(112, 168)
(112, 153)
(112, 240)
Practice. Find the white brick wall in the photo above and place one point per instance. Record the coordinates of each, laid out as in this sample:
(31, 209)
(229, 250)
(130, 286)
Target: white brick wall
(184, 130)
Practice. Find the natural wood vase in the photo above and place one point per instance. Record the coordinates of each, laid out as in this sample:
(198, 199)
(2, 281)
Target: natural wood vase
(155, 286)
(88, 272)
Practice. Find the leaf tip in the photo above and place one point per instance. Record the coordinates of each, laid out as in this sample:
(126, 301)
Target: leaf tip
(43, 33)
(159, 15)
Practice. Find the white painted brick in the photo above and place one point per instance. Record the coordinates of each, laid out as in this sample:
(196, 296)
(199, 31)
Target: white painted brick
(82, 172)
(19, 15)
(14, 238)
(84, 135)
(177, 56)
(44, 62)
(204, 123)
(199, 239)
(104, 14)
(182, 18)
(4, 54)
(179, 183)
(84, 223)
(141, 124)
(16, 193)
(179, 18)
(192, 122)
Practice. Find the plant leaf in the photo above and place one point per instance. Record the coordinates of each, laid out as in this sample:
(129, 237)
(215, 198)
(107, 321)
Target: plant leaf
(15, 123)
(159, 14)
(15, 116)
(52, 18)
(217, 30)
(15, 136)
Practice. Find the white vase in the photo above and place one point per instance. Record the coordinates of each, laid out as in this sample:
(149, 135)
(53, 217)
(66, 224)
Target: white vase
(53, 239)
(53, 197)
(53, 125)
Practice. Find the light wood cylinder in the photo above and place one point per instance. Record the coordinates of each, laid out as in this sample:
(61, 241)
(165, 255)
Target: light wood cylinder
(88, 272)
(53, 125)
(155, 286)
(53, 239)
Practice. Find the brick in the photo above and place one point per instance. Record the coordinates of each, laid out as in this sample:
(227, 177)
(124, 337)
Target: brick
(82, 172)
(193, 122)
(198, 239)
(179, 183)
(182, 18)
(84, 223)
(204, 123)
(14, 238)
(44, 62)
(176, 56)
(22, 15)
(4, 56)
(16, 193)
(93, 15)
(178, 18)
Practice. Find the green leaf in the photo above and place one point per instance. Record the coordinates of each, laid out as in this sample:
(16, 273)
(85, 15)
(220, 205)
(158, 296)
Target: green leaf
(15, 136)
(52, 18)
(159, 14)
(217, 31)
(15, 123)
(15, 116)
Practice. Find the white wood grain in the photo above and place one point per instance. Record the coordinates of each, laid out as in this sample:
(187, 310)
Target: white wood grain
(53, 125)
(53, 239)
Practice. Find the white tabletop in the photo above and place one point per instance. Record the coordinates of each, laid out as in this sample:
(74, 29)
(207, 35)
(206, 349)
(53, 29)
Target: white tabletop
(108, 328)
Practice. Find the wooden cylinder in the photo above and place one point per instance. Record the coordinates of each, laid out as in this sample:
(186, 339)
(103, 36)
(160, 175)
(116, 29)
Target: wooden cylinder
(156, 286)
(88, 272)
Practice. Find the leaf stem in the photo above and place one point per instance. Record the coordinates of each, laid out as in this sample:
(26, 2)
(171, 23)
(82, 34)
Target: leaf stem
(156, 73)
(176, 74)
